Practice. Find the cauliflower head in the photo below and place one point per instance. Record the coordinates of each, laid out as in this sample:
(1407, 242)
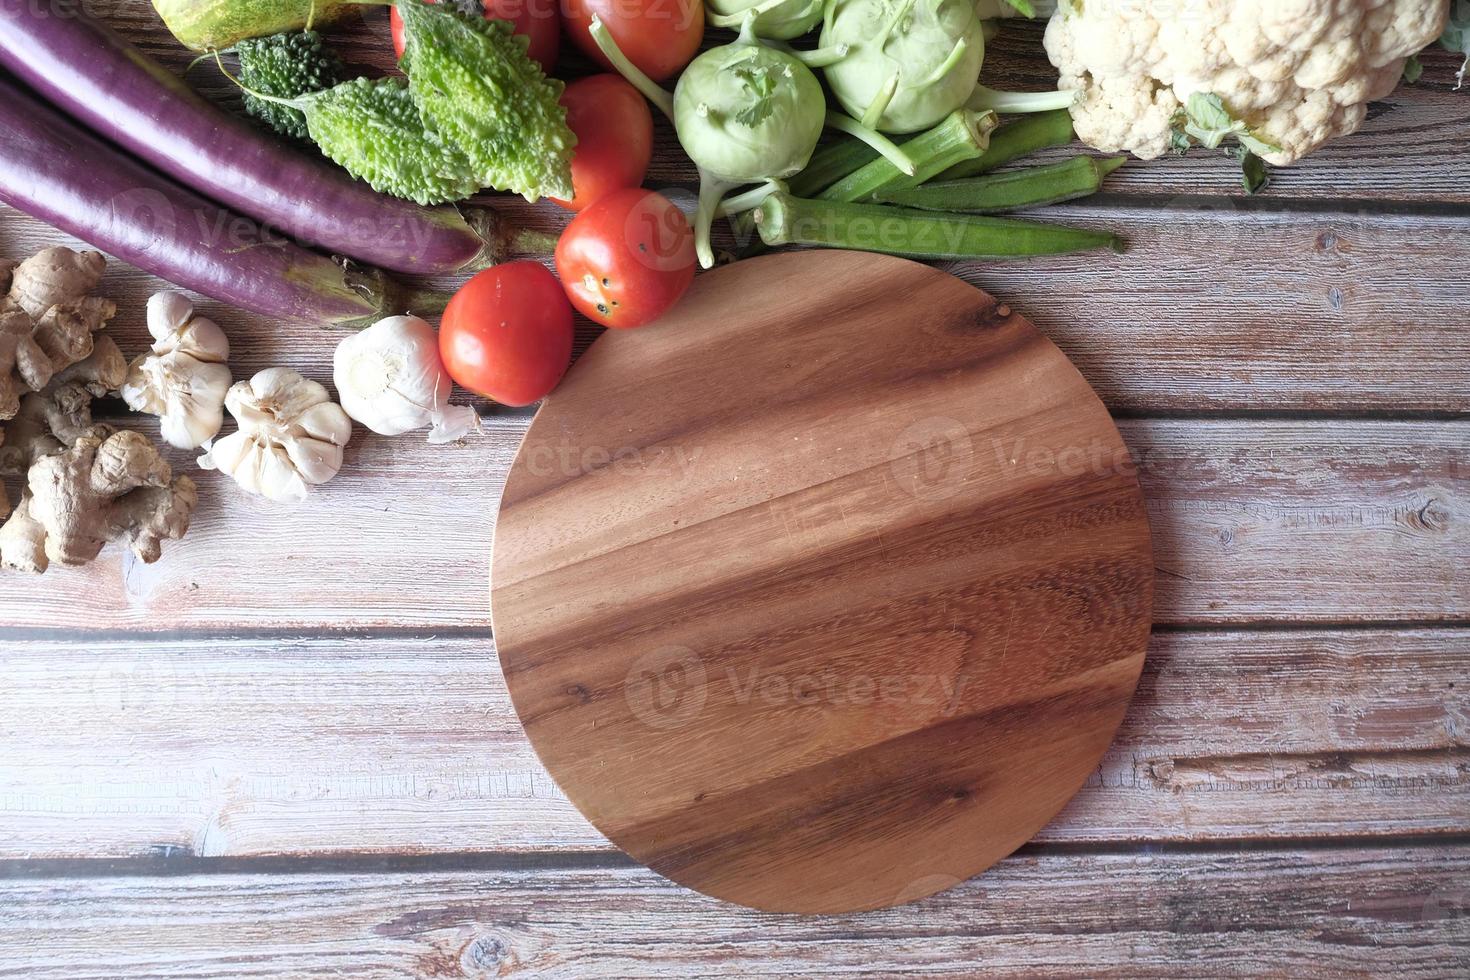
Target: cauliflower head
(1296, 73)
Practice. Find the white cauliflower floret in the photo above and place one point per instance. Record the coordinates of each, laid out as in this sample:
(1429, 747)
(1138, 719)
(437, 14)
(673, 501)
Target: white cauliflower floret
(1296, 73)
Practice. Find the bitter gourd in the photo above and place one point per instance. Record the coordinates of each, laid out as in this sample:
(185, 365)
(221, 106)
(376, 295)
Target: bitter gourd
(286, 66)
(477, 88)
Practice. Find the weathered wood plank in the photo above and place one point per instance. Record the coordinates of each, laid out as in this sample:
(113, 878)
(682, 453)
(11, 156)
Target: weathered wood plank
(1341, 913)
(1212, 309)
(1252, 521)
(263, 747)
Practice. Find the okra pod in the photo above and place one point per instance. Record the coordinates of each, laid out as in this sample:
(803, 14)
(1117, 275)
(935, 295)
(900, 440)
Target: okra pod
(831, 163)
(962, 135)
(785, 220)
(1015, 140)
(1032, 187)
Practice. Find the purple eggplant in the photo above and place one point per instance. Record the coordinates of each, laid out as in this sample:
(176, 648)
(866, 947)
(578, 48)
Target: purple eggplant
(117, 91)
(52, 169)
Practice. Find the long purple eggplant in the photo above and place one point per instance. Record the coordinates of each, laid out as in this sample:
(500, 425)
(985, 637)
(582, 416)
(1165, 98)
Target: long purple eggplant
(52, 169)
(117, 91)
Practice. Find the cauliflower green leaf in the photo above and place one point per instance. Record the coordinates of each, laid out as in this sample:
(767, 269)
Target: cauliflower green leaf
(1207, 121)
(476, 87)
(1456, 38)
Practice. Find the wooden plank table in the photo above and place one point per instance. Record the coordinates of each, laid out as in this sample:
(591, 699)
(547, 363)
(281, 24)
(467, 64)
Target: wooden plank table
(286, 750)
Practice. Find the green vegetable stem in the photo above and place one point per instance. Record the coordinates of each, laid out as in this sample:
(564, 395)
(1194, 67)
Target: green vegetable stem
(963, 135)
(1033, 187)
(785, 220)
(1014, 140)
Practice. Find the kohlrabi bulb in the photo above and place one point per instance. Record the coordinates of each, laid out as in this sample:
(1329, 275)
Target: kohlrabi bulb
(746, 112)
(909, 63)
(780, 21)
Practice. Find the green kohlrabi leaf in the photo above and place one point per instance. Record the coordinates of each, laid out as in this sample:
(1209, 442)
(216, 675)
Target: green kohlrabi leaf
(372, 129)
(761, 87)
(1413, 69)
(477, 88)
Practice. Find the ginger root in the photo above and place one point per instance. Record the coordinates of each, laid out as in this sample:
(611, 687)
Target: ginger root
(85, 484)
(51, 420)
(47, 319)
(99, 490)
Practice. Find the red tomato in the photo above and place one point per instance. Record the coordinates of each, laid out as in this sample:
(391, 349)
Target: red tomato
(507, 333)
(659, 36)
(614, 132)
(626, 259)
(536, 19)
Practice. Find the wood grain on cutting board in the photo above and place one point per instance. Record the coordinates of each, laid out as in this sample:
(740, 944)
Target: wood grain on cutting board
(830, 604)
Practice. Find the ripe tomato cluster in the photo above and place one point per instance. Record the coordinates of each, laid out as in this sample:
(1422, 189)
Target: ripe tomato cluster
(628, 254)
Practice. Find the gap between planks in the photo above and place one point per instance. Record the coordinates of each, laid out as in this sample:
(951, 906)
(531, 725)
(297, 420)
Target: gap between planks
(165, 865)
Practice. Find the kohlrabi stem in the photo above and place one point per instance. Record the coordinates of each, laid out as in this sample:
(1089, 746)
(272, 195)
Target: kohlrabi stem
(962, 135)
(830, 164)
(651, 90)
(875, 139)
(711, 189)
(1016, 102)
(873, 114)
(751, 199)
(947, 65)
(737, 20)
(1014, 140)
(1010, 191)
(785, 220)
(819, 57)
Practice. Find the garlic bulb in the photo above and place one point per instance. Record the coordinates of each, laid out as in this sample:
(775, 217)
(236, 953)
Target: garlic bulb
(184, 380)
(390, 379)
(290, 437)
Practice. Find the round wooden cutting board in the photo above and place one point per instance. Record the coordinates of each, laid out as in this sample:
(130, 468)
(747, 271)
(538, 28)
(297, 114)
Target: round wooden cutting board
(826, 592)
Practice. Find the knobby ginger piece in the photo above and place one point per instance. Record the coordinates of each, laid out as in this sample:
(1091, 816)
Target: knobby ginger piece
(51, 420)
(99, 490)
(47, 319)
(52, 276)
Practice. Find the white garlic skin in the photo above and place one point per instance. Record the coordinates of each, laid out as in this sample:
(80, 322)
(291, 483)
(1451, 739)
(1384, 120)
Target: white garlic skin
(184, 379)
(290, 436)
(390, 378)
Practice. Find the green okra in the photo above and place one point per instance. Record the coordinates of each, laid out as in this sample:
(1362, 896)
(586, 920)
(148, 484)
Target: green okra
(1014, 140)
(1009, 191)
(962, 135)
(785, 220)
